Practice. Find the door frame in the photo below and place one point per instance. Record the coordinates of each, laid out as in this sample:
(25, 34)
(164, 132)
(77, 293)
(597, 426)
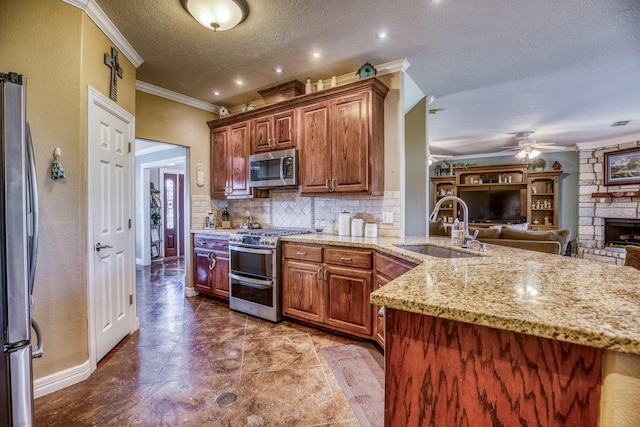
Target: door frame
(96, 100)
(169, 170)
(145, 210)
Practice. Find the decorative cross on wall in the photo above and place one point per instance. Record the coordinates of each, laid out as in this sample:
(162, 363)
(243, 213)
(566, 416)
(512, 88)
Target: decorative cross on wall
(116, 70)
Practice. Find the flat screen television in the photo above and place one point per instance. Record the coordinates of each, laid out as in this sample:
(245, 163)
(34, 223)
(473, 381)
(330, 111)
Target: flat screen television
(502, 206)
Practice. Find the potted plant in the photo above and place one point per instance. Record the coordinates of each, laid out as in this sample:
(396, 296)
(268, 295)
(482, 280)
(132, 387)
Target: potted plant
(155, 217)
(538, 164)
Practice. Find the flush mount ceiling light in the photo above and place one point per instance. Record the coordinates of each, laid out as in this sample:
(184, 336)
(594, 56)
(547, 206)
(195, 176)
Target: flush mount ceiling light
(217, 15)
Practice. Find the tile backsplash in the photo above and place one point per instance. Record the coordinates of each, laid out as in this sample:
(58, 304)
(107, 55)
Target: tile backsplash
(285, 208)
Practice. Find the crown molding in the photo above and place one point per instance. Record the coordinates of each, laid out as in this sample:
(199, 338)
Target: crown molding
(592, 145)
(175, 96)
(93, 11)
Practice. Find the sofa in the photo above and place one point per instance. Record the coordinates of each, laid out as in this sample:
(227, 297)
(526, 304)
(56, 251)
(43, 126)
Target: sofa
(548, 241)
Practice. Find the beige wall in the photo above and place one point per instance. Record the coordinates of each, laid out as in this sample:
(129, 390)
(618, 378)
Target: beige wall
(392, 131)
(163, 120)
(60, 51)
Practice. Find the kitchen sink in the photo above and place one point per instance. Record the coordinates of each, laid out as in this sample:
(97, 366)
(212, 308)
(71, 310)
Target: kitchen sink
(436, 251)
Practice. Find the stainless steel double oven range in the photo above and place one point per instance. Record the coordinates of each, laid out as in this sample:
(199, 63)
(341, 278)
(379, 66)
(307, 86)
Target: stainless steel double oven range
(254, 272)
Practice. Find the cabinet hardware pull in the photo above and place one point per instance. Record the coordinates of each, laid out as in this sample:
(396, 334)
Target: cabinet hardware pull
(381, 312)
(326, 184)
(301, 253)
(319, 274)
(325, 275)
(333, 184)
(345, 258)
(212, 261)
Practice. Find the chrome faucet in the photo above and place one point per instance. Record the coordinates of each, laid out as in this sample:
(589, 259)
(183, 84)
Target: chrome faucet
(467, 238)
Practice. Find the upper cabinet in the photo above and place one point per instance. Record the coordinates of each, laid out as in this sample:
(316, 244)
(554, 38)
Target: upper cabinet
(230, 161)
(339, 133)
(273, 132)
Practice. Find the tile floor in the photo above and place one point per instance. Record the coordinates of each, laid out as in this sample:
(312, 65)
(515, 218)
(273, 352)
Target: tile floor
(190, 349)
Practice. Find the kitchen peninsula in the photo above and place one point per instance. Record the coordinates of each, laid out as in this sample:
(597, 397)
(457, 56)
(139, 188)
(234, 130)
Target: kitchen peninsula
(511, 338)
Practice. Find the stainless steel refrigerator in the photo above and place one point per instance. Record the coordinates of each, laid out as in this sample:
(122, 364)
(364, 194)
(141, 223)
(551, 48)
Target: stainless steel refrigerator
(19, 230)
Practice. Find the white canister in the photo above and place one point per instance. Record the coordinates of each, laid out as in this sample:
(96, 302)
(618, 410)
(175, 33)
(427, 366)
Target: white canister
(357, 227)
(371, 230)
(344, 224)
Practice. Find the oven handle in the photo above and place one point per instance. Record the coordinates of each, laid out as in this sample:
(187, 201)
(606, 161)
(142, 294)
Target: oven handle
(233, 248)
(252, 283)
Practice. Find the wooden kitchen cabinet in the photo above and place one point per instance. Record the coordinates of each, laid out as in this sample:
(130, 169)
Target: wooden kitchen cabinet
(230, 162)
(211, 266)
(339, 133)
(388, 268)
(328, 286)
(273, 132)
(341, 143)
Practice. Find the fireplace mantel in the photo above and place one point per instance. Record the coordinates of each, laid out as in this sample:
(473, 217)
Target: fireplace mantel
(616, 194)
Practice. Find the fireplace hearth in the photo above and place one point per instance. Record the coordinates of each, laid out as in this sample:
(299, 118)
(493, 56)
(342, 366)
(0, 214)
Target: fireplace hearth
(619, 232)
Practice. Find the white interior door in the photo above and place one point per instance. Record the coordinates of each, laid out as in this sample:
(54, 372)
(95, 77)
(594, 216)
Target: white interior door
(110, 195)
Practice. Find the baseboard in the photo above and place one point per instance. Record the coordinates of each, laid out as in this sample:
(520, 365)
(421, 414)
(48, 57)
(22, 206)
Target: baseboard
(190, 292)
(59, 380)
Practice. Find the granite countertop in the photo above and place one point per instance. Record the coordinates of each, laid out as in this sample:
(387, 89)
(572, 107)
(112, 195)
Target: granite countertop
(567, 299)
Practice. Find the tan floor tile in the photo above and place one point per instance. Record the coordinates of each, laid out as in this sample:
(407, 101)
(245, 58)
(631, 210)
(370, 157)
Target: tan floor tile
(278, 352)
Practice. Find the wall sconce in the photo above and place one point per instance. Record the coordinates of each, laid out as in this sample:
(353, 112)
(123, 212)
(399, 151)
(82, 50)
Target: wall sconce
(217, 15)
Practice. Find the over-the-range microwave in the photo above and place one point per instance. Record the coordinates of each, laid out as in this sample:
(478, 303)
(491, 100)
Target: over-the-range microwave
(274, 169)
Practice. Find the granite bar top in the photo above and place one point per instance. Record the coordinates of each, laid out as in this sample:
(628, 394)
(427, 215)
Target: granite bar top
(567, 299)
(216, 232)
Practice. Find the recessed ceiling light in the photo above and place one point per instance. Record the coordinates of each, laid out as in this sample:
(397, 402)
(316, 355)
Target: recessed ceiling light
(382, 35)
(279, 70)
(239, 82)
(216, 93)
(316, 54)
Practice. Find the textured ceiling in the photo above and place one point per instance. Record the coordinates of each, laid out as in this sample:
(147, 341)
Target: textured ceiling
(565, 69)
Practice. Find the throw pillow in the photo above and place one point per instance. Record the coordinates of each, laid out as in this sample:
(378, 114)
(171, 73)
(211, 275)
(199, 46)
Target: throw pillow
(523, 226)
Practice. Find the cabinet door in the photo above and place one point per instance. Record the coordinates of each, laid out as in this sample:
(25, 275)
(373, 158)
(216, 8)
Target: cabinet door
(378, 324)
(218, 163)
(350, 150)
(220, 275)
(302, 290)
(283, 131)
(238, 160)
(262, 129)
(315, 154)
(347, 296)
(201, 272)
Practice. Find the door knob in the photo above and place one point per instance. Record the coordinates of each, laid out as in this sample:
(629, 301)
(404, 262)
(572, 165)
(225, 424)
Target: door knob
(101, 246)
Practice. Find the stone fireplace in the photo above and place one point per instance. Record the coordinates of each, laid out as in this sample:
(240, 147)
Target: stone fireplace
(593, 212)
(621, 231)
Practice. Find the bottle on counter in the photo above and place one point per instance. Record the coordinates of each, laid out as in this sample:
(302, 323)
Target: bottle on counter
(455, 232)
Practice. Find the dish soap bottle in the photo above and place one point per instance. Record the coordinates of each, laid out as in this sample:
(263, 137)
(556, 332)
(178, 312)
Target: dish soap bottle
(455, 232)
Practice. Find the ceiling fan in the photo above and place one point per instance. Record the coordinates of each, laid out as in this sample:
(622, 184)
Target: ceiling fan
(530, 148)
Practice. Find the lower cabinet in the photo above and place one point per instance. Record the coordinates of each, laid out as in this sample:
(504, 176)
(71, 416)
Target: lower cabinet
(211, 266)
(387, 268)
(328, 286)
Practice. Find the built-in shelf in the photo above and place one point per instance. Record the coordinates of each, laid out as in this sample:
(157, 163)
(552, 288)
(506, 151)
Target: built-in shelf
(616, 194)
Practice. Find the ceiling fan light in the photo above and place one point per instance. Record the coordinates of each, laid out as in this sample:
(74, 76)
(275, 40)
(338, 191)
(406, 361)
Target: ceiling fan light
(217, 15)
(521, 155)
(533, 154)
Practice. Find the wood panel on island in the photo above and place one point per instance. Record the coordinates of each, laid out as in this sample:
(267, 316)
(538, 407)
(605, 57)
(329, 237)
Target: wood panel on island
(498, 194)
(465, 374)
(339, 133)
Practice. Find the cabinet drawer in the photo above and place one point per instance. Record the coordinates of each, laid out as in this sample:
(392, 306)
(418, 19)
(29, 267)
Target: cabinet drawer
(302, 252)
(218, 244)
(391, 267)
(349, 257)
